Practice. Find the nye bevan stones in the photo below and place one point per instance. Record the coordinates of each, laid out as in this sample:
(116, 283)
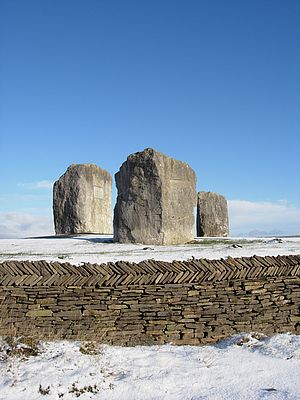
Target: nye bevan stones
(156, 200)
(212, 215)
(82, 200)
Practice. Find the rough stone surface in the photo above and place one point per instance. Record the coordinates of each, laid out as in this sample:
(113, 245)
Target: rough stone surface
(82, 200)
(156, 200)
(212, 215)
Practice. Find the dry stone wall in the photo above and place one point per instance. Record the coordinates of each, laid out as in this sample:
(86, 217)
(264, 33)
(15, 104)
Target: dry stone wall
(193, 302)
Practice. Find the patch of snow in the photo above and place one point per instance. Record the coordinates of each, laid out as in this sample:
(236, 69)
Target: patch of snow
(243, 367)
(100, 249)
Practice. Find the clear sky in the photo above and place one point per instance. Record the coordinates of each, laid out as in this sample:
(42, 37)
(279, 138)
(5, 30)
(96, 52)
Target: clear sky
(211, 82)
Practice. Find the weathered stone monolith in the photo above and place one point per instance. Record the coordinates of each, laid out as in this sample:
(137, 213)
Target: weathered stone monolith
(212, 215)
(156, 200)
(82, 200)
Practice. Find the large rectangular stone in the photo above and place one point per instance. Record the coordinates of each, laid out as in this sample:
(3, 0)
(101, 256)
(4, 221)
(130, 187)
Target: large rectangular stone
(156, 200)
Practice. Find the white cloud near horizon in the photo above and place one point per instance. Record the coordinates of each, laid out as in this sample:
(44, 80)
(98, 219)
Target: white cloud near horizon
(246, 216)
(37, 185)
(24, 224)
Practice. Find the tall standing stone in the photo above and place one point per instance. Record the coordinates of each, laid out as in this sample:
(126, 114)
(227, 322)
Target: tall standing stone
(212, 215)
(82, 200)
(156, 200)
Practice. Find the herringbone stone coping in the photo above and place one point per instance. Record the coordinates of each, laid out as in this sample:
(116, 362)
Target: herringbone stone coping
(149, 272)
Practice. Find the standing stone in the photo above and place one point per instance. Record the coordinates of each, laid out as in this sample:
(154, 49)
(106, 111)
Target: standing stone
(82, 200)
(156, 200)
(212, 215)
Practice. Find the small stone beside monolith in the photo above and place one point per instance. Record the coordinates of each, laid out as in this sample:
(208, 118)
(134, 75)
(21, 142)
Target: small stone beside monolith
(82, 201)
(156, 200)
(212, 215)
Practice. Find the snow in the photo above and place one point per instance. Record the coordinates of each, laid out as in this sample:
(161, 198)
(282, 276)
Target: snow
(100, 249)
(246, 366)
(242, 367)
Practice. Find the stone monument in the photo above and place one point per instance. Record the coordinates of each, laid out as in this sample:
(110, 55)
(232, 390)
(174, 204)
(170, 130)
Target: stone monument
(156, 200)
(82, 200)
(212, 215)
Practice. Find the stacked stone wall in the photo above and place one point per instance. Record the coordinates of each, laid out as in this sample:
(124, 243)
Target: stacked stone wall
(192, 302)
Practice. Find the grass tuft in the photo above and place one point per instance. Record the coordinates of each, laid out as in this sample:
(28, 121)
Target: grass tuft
(85, 389)
(44, 391)
(89, 348)
(20, 347)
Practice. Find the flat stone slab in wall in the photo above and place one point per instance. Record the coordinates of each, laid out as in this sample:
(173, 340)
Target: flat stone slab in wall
(212, 215)
(156, 200)
(82, 200)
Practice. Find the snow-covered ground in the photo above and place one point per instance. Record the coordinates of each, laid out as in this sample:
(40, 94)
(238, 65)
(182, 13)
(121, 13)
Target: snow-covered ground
(242, 367)
(100, 249)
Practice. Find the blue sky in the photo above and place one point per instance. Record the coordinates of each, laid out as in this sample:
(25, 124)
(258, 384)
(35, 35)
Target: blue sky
(213, 83)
